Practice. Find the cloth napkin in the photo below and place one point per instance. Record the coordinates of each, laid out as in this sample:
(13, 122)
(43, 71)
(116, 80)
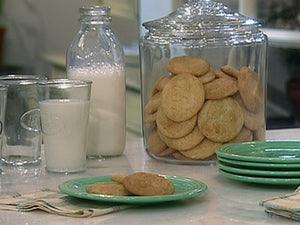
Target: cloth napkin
(286, 206)
(55, 202)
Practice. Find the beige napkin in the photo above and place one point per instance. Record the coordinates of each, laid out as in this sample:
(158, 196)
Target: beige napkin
(287, 205)
(53, 201)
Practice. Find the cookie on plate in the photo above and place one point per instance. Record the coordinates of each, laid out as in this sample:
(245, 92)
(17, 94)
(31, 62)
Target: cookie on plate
(118, 177)
(148, 184)
(107, 188)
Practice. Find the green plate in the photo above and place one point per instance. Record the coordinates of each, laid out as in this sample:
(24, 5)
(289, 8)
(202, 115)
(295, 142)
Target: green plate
(261, 165)
(184, 188)
(260, 173)
(261, 180)
(262, 151)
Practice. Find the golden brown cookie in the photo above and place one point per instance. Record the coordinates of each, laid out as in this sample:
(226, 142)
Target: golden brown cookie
(251, 90)
(107, 188)
(147, 184)
(154, 143)
(209, 76)
(167, 151)
(160, 84)
(244, 135)
(220, 88)
(185, 142)
(118, 177)
(150, 120)
(174, 129)
(188, 64)
(259, 134)
(204, 150)
(252, 120)
(244, 69)
(220, 120)
(221, 74)
(153, 103)
(182, 97)
(230, 71)
(179, 156)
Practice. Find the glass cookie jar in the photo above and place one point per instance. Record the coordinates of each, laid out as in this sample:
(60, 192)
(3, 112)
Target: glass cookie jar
(203, 79)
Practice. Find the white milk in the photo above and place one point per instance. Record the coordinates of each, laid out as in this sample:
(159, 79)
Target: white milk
(106, 134)
(64, 127)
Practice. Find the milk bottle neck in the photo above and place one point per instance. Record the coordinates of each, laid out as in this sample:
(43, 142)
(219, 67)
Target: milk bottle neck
(95, 16)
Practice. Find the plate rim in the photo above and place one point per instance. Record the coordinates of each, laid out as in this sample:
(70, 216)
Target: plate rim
(220, 152)
(260, 173)
(261, 180)
(259, 164)
(201, 188)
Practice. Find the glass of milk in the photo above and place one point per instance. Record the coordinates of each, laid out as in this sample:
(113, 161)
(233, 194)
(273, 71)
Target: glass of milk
(64, 108)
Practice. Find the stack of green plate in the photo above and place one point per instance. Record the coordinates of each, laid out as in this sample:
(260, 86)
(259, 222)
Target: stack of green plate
(267, 162)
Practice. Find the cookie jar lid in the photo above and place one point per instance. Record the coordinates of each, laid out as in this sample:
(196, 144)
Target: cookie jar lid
(204, 23)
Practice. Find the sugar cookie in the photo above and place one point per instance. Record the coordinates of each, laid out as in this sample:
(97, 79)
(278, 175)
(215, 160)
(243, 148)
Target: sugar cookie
(154, 143)
(220, 88)
(147, 184)
(244, 135)
(230, 71)
(203, 150)
(185, 142)
(221, 74)
(160, 84)
(174, 129)
(118, 177)
(188, 64)
(220, 120)
(252, 120)
(107, 188)
(167, 151)
(153, 103)
(209, 76)
(182, 97)
(259, 134)
(150, 120)
(179, 156)
(250, 90)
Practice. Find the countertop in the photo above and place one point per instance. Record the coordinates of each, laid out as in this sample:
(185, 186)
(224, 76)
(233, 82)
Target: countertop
(225, 202)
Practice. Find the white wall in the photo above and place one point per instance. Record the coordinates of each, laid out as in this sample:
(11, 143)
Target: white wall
(38, 26)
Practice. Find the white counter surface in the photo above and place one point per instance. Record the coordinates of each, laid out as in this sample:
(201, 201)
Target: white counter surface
(225, 202)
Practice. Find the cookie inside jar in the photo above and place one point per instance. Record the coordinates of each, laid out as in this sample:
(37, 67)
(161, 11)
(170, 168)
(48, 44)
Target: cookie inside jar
(201, 88)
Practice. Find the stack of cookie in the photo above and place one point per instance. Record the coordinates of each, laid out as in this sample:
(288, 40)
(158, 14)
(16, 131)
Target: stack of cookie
(138, 184)
(197, 108)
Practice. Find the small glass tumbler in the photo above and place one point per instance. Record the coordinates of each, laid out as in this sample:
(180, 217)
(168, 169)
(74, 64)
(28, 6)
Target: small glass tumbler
(21, 146)
(64, 109)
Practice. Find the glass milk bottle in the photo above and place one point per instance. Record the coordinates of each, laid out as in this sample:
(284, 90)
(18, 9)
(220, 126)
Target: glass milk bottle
(95, 54)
